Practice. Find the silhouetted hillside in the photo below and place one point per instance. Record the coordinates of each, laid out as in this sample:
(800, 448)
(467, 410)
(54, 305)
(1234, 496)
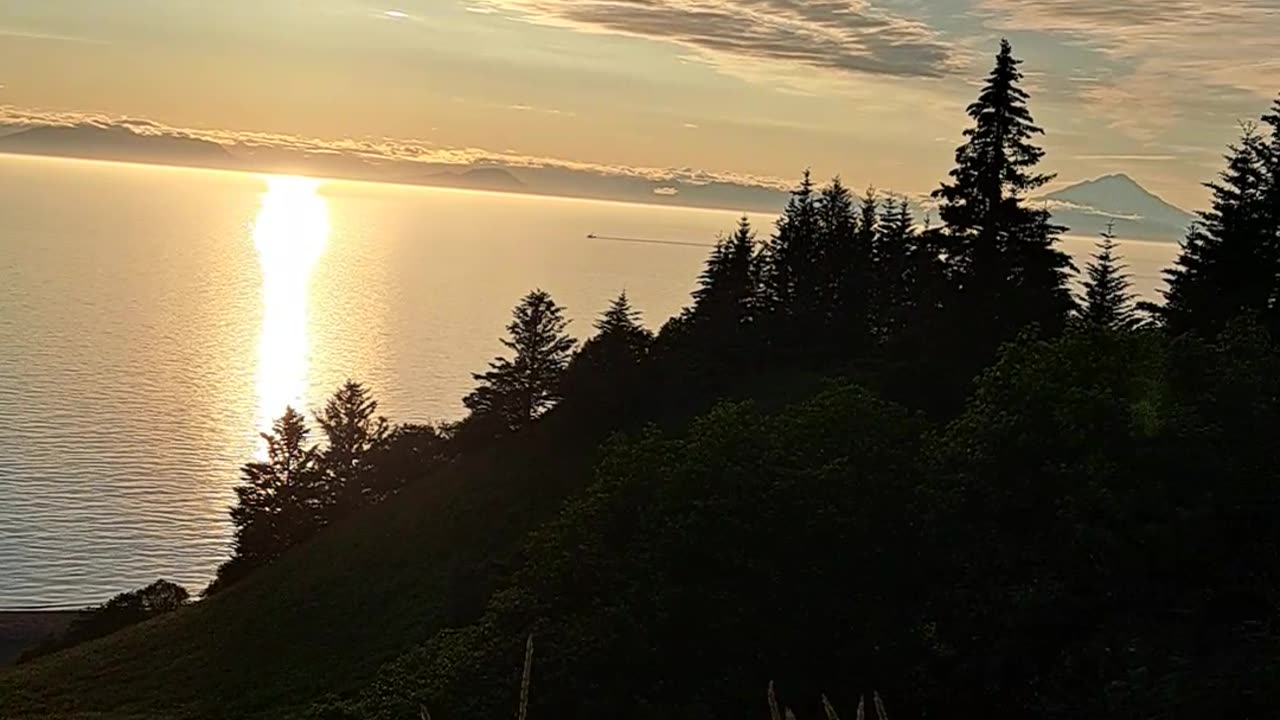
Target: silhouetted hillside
(116, 143)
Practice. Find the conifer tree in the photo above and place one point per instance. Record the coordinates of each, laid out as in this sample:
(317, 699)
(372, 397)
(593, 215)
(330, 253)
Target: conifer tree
(1108, 302)
(275, 508)
(1003, 254)
(353, 431)
(1272, 210)
(724, 301)
(516, 391)
(895, 268)
(843, 307)
(790, 263)
(609, 364)
(1229, 261)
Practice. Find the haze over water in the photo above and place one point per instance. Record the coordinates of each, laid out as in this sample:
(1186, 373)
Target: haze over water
(154, 320)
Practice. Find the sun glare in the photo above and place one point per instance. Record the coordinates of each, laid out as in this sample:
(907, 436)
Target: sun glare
(290, 234)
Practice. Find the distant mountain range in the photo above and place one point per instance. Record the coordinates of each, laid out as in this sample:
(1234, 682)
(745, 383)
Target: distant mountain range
(1086, 208)
(115, 143)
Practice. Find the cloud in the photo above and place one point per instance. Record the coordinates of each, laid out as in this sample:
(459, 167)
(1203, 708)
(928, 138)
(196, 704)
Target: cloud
(841, 36)
(546, 111)
(378, 150)
(1170, 59)
(1131, 158)
(51, 37)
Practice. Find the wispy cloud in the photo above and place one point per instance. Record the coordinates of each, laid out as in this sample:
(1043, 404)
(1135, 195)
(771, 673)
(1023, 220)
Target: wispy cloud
(1173, 58)
(379, 149)
(51, 37)
(543, 110)
(842, 36)
(1131, 158)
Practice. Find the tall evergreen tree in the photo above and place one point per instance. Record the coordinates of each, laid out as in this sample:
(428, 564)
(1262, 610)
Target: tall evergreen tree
(791, 266)
(843, 306)
(353, 430)
(1108, 302)
(895, 267)
(608, 366)
(1272, 210)
(1002, 253)
(276, 504)
(516, 391)
(724, 301)
(1230, 259)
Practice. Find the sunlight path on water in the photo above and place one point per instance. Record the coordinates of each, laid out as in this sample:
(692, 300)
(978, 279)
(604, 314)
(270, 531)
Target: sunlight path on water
(290, 234)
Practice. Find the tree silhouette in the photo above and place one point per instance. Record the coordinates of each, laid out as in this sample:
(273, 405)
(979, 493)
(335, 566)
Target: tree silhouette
(899, 269)
(352, 431)
(277, 500)
(790, 264)
(724, 298)
(1108, 302)
(121, 611)
(516, 391)
(608, 366)
(1002, 254)
(1271, 157)
(844, 305)
(1230, 260)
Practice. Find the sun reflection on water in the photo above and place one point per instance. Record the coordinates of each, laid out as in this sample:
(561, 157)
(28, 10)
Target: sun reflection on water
(290, 234)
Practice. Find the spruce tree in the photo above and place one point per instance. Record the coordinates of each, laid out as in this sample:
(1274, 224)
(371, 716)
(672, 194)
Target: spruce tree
(609, 364)
(516, 391)
(724, 301)
(1229, 262)
(276, 505)
(1272, 162)
(842, 308)
(621, 343)
(790, 263)
(353, 430)
(1108, 302)
(1002, 253)
(895, 268)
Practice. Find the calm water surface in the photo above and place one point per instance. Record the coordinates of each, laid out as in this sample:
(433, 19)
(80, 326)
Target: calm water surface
(153, 320)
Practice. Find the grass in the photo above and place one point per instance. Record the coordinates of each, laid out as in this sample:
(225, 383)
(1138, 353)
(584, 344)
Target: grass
(326, 616)
(322, 620)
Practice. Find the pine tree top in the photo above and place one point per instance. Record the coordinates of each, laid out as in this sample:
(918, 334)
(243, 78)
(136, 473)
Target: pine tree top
(1108, 301)
(619, 317)
(997, 159)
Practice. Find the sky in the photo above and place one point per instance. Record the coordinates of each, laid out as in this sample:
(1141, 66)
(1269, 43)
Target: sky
(873, 90)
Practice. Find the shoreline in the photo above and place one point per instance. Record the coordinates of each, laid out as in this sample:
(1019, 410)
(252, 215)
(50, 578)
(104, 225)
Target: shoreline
(20, 629)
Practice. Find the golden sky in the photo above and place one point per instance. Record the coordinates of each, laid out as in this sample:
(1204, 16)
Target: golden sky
(871, 89)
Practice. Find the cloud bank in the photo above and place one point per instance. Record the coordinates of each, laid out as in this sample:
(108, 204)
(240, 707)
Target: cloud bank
(843, 36)
(1176, 58)
(377, 150)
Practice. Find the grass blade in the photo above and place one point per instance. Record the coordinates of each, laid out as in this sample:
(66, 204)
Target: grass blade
(524, 679)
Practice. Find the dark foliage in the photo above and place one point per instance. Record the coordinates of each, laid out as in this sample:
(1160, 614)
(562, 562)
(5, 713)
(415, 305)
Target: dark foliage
(1001, 253)
(516, 391)
(1230, 262)
(1108, 301)
(302, 487)
(353, 433)
(121, 611)
(605, 374)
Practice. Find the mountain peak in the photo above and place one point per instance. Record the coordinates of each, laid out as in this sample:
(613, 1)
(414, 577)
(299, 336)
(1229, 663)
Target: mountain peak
(1093, 205)
(1118, 179)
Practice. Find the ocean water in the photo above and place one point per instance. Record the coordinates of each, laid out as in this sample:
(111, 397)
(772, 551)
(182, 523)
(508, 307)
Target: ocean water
(153, 321)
